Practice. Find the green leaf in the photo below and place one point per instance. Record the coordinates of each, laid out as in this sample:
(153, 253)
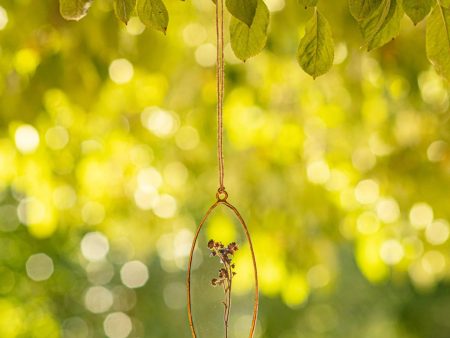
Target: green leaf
(417, 10)
(243, 10)
(444, 3)
(308, 3)
(316, 50)
(382, 25)
(438, 40)
(249, 41)
(74, 9)
(124, 9)
(361, 9)
(153, 13)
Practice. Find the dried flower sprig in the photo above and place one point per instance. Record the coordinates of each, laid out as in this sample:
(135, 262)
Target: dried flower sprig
(226, 273)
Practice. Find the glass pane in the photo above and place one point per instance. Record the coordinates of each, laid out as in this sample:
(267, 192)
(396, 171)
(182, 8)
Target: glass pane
(215, 260)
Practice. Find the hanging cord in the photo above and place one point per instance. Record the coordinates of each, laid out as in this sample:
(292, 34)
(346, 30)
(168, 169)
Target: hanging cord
(220, 74)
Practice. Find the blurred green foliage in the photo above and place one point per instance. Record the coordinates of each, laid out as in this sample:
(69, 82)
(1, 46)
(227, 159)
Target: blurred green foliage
(107, 163)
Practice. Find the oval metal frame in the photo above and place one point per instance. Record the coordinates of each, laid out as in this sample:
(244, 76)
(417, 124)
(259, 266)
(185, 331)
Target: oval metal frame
(194, 242)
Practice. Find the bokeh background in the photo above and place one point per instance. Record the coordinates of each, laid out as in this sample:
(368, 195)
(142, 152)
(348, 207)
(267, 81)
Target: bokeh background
(107, 163)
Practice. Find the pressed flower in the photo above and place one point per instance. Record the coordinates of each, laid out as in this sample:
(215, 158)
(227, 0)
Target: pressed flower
(226, 273)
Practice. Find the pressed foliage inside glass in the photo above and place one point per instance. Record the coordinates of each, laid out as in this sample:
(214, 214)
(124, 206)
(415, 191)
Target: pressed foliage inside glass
(222, 278)
(225, 275)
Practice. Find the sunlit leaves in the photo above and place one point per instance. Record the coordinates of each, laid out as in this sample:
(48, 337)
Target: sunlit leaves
(417, 10)
(378, 20)
(316, 49)
(438, 40)
(382, 24)
(153, 13)
(249, 41)
(124, 9)
(244, 10)
(360, 9)
(74, 9)
(308, 3)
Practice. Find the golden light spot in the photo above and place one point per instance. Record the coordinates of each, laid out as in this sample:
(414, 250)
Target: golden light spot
(182, 247)
(245, 282)
(295, 290)
(338, 180)
(117, 325)
(388, 210)
(408, 128)
(438, 232)
(437, 151)
(3, 18)
(176, 174)
(363, 159)
(160, 122)
(98, 299)
(371, 71)
(134, 274)
(434, 262)
(121, 71)
(433, 89)
(147, 198)
(31, 211)
(187, 138)
(399, 87)
(221, 226)
(272, 276)
(11, 320)
(57, 137)
(135, 26)
(26, 138)
(26, 60)
(64, 197)
(94, 246)
(205, 55)
(99, 272)
(39, 267)
(341, 53)
(378, 146)
(149, 179)
(141, 155)
(166, 206)
(420, 276)
(38, 215)
(318, 172)
(391, 252)
(421, 215)
(367, 191)
(318, 276)
(275, 5)
(93, 213)
(194, 34)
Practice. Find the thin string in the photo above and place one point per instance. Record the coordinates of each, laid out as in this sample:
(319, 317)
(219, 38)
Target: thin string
(220, 74)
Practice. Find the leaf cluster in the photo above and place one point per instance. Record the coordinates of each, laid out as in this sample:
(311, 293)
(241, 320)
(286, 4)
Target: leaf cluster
(378, 20)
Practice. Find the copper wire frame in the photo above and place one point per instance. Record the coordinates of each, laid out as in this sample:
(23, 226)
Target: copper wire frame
(222, 201)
